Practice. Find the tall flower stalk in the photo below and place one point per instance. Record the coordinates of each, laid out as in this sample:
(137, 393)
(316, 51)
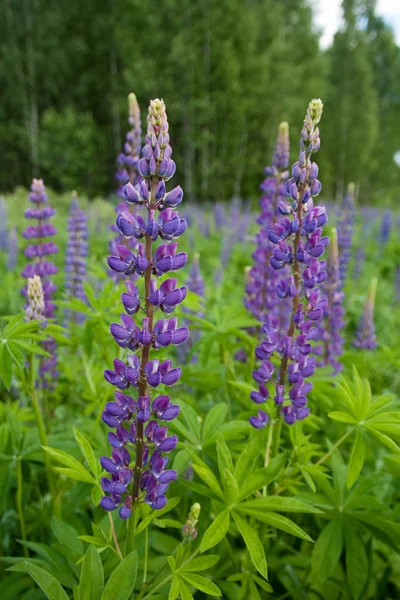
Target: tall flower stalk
(76, 255)
(365, 335)
(345, 232)
(127, 172)
(332, 324)
(299, 244)
(262, 279)
(38, 252)
(147, 479)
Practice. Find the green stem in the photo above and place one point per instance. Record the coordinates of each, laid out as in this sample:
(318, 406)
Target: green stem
(335, 446)
(268, 452)
(146, 555)
(276, 436)
(20, 508)
(130, 538)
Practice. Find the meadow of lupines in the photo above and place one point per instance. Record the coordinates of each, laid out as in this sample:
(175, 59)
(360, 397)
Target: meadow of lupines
(200, 400)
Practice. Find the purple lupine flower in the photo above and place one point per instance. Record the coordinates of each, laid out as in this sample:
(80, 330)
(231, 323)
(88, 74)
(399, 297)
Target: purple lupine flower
(219, 216)
(262, 278)
(137, 425)
(3, 225)
(359, 261)
(127, 172)
(330, 327)
(299, 244)
(76, 254)
(195, 281)
(12, 256)
(37, 252)
(386, 227)
(345, 231)
(365, 335)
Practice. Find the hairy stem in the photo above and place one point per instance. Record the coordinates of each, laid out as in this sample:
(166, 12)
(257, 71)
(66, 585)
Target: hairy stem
(335, 446)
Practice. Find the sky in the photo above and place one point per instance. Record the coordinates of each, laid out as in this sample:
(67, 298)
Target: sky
(328, 17)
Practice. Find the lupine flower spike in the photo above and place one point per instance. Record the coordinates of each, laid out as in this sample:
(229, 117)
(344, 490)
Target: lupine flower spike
(261, 282)
(365, 334)
(189, 530)
(37, 253)
(299, 243)
(332, 323)
(345, 231)
(12, 257)
(138, 468)
(76, 254)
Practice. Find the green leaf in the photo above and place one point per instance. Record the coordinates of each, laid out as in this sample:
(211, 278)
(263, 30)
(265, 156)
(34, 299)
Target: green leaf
(342, 417)
(278, 521)
(185, 592)
(49, 584)
(214, 420)
(357, 567)
(71, 462)
(217, 531)
(202, 584)
(263, 476)
(191, 418)
(248, 457)
(205, 473)
(201, 563)
(85, 476)
(87, 452)
(224, 456)
(327, 551)
(67, 535)
(174, 589)
(254, 545)
(280, 504)
(6, 366)
(357, 458)
(384, 439)
(91, 583)
(122, 579)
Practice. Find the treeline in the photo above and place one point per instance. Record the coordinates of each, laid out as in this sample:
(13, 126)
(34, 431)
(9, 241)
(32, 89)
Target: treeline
(229, 71)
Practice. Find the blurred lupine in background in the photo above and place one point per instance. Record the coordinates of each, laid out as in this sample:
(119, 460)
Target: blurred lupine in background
(127, 172)
(299, 243)
(76, 255)
(386, 228)
(262, 278)
(331, 325)
(365, 335)
(345, 232)
(148, 479)
(3, 225)
(37, 253)
(12, 256)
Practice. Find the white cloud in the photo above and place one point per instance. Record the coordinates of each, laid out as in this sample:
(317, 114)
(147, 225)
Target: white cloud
(328, 17)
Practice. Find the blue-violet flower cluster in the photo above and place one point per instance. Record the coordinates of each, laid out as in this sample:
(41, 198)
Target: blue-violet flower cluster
(136, 421)
(299, 243)
(76, 253)
(365, 335)
(345, 231)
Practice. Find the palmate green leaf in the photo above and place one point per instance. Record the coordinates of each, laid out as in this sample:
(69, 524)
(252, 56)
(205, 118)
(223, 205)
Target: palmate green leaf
(234, 430)
(185, 592)
(6, 365)
(209, 478)
(275, 520)
(201, 583)
(91, 582)
(253, 544)
(75, 475)
(380, 404)
(122, 580)
(49, 584)
(224, 456)
(384, 439)
(327, 551)
(262, 477)
(279, 504)
(357, 458)
(87, 452)
(357, 567)
(214, 419)
(201, 563)
(217, 530)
